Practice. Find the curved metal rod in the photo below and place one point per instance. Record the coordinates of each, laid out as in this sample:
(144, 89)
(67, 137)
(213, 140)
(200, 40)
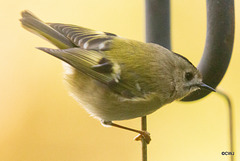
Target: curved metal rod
(158, 22)
(219, 40)
(218, 46)
(231, 123)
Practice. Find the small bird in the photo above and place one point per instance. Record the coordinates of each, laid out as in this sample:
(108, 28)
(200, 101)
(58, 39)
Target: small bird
(115, 78)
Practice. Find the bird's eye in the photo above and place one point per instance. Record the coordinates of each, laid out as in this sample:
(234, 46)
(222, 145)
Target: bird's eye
(188, 76)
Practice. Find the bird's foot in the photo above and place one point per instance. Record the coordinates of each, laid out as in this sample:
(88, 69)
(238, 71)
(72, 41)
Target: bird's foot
(143, 135)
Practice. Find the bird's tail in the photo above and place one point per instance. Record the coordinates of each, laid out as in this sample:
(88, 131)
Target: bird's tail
(36, 26)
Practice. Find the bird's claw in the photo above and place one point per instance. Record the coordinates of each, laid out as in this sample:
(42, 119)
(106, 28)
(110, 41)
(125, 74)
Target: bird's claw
(143, 135)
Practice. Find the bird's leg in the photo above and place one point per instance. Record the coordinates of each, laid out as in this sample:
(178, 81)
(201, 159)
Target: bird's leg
(142, 134)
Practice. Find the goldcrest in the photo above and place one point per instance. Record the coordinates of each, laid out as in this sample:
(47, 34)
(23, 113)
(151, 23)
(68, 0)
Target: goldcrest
(115, 78)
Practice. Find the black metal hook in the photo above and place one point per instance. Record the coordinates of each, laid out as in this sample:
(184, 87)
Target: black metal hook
(219, 40)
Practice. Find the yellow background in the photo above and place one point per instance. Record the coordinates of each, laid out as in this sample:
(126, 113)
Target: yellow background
(39, 121)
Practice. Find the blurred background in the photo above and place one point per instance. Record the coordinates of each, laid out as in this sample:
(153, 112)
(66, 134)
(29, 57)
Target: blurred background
(40, 121)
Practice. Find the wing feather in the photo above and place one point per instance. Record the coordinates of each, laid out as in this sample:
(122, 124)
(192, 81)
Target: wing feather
(97, 66)
(85, 38)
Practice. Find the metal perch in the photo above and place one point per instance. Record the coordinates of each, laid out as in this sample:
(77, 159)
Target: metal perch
(218, 45)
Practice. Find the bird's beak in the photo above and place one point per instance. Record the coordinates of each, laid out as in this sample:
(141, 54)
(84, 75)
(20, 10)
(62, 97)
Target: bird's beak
(207, 87)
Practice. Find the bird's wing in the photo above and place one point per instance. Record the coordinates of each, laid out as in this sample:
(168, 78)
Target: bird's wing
(65, 35)
(85, 50)
(96, 65)
(85, 38)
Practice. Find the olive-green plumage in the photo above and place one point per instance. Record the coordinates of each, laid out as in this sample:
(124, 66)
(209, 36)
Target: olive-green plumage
(115, 78)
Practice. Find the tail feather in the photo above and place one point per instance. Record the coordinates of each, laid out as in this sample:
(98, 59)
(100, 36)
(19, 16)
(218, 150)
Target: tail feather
(36, 26)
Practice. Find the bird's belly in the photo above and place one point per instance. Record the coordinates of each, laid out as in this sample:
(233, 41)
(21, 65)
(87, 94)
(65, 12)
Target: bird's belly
(111, 108)
(102, 103)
